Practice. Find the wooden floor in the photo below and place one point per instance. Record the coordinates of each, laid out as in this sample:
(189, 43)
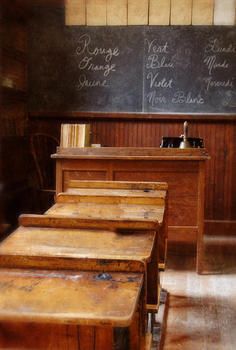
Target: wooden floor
(202, 309)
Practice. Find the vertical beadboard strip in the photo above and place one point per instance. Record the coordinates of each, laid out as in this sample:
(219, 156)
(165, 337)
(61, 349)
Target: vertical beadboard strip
(159, 12)
(96, 12)
(138, 12)
(224, 12)
(202, 12)
(117, 12)
(75, 13)
(181, 12)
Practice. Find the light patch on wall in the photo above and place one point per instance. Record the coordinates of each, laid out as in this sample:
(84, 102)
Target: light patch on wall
(117, 12)
(75, 12)
(202, 13)
(138, 12)
(181, 12)
(224, 12)
(96, 11)
(159, 12)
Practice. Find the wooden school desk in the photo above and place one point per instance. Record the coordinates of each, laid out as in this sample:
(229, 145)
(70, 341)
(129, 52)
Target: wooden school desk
(51, 309)
(135, 191)
(117, 208)
(52, 243)
(182, 169)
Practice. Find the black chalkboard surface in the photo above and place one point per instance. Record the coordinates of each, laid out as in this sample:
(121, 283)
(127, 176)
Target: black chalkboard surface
(146, 69)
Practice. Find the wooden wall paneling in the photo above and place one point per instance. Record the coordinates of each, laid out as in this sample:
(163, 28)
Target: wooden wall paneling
(117, 12)
(230, 159)
(14, 119)
(14, 32)
(224, 12)
(13, 73)
(159, 12)
(233, 176)
(181, 12)
(96, 12)
(202, 12)
(138, 12)
(75, 13)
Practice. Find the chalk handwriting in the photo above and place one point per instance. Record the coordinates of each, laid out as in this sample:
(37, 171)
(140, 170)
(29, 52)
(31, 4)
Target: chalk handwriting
(157, 62)
(86, 63)
(85, 47)
(155, 47)
(214, 46)
(84, 82)
(180, 97)
(212, 63)
(154, 99)
(157, 82)
(211, 83)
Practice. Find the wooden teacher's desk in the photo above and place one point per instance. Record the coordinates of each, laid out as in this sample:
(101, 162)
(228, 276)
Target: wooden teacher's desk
(182, 169)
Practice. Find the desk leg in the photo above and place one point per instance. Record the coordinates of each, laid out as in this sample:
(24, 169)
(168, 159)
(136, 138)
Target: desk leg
(200, 218)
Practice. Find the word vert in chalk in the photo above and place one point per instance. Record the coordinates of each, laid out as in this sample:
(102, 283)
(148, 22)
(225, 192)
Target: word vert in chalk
(155, 47)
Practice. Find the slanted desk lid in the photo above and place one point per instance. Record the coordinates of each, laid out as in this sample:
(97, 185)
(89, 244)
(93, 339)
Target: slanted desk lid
(81, 298)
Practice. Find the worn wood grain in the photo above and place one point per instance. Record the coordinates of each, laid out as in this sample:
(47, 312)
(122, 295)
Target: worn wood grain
(124, 214)
(76, 244)
(23, 297)
(39, 309)
(65, 221)
(109, 197)
(132, 187)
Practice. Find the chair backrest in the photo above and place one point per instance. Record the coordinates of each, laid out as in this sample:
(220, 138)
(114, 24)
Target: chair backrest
(42, 146)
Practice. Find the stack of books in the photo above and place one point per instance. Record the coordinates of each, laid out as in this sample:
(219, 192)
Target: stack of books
(75, 135)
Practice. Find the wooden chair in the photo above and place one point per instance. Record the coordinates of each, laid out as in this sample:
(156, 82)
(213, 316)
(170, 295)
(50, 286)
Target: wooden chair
(42, 146)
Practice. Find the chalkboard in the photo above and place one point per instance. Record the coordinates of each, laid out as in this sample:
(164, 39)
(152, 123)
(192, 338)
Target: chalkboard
(190, 69)
(146, 69)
